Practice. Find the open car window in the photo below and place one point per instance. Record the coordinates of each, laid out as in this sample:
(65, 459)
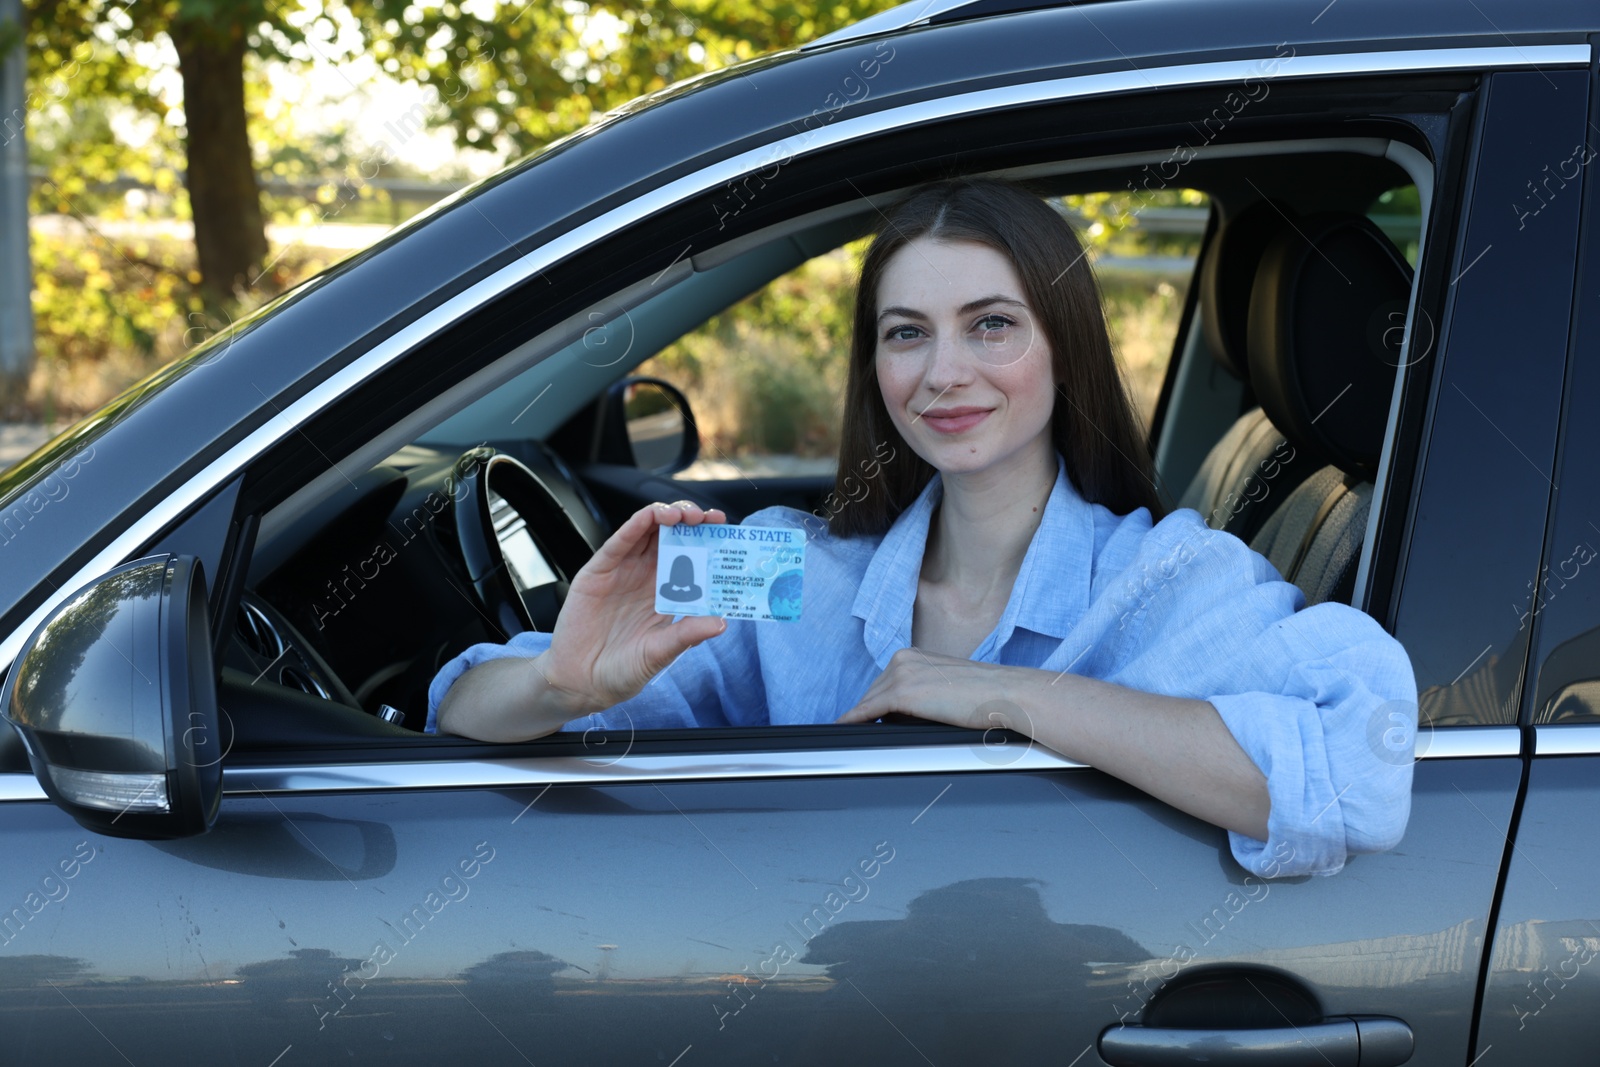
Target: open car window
(358, 591)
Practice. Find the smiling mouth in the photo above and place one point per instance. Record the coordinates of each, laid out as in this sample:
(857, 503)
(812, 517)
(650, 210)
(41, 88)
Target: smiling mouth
(954, 420)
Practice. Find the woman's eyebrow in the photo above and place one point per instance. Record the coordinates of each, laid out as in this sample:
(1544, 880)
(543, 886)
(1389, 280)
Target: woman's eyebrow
(968, 307)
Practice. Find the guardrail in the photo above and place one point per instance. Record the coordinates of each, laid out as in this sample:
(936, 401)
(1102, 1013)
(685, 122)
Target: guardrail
(1163, 221)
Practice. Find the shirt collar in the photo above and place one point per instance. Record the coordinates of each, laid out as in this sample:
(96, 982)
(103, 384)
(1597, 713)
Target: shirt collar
(1050, 595)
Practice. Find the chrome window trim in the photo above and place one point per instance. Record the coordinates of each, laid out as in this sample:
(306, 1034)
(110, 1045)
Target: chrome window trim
(1492, 57)
(678, 767)
(1420, 169)
(1468, 742)
(1576, 739)
(1462, 742)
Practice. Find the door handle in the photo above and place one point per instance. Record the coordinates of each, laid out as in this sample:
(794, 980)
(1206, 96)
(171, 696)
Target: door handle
(1350, 1041)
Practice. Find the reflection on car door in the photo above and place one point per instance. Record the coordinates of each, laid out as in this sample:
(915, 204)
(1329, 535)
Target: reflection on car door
(989, 917)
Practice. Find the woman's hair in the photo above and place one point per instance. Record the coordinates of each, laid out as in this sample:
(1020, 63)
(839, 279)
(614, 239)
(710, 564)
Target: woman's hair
(1093, 425)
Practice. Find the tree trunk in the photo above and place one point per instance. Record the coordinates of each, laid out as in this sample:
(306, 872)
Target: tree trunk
(229, 238)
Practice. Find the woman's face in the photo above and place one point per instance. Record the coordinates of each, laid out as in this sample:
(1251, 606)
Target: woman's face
(962, 359)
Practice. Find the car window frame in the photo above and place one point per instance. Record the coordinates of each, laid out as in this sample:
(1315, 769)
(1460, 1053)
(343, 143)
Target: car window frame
(1421, 171)
(789, 750)
(705, 181)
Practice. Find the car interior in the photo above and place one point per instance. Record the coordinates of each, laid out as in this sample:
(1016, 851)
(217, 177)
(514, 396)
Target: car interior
(1276, 421)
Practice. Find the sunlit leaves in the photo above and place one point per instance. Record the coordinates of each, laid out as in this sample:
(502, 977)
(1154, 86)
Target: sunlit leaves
(105, 107)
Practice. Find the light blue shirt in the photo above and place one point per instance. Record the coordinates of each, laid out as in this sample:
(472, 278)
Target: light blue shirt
(1323, 699)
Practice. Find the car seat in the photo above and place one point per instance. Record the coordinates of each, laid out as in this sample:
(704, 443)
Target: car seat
(1327, 315)
(1253, 460)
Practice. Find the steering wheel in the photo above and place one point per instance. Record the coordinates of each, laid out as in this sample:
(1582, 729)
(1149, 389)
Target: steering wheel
(520, 546)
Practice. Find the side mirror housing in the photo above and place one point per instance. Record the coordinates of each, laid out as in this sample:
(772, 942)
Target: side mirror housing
(648, 424)
(115, 699)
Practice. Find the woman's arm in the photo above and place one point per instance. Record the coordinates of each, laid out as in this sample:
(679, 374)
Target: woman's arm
(608, 642)
(1176, 749)
(507, 700)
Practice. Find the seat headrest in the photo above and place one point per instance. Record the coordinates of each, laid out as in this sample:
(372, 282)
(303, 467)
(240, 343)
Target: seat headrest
(1327, 315)
(1226, 276)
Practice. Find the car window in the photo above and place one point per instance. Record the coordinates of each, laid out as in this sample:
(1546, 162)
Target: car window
(764, 375)
(1144, 245)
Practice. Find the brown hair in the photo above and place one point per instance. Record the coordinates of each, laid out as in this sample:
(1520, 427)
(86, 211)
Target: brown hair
(1093, 425)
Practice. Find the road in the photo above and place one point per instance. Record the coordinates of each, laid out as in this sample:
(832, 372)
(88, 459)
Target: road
(19, 439)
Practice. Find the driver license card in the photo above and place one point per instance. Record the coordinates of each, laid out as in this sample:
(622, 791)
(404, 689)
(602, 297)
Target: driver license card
(738, 572)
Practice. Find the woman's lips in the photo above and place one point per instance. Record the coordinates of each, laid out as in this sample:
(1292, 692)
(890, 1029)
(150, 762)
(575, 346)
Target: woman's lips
(954, 420)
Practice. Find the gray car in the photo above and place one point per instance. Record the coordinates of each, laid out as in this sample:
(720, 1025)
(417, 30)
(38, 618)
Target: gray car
(223, 597)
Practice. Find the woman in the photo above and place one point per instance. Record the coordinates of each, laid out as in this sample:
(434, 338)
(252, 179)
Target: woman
(1002, 569)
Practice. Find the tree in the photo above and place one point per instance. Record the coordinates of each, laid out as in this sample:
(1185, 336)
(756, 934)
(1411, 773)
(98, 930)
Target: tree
(92, 49)
(545, 70)
(518, 78)
(230, 236)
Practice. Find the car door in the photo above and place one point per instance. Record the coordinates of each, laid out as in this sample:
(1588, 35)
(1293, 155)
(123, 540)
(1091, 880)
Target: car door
(882, 895)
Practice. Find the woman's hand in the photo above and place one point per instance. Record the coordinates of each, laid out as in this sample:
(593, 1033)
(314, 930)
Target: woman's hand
(948, 689)
(608, 640)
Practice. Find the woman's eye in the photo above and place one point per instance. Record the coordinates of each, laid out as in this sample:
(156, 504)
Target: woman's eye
(991, 323)
(905, 332)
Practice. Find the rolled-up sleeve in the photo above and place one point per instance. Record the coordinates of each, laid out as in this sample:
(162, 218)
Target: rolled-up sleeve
(1322, 699)
(1335, 742)
(523, 644)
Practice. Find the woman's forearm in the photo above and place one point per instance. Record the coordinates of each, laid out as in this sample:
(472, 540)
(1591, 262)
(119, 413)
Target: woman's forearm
(1176, 749)
(506, 700)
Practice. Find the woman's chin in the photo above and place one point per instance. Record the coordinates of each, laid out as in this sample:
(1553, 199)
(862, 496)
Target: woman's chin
(953, 459)
(958, 457)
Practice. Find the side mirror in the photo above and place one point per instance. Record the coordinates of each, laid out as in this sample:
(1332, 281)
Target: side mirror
(648, 425)
(115, 699)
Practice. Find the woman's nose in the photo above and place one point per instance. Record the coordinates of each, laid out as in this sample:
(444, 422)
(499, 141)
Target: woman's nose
(949, 363)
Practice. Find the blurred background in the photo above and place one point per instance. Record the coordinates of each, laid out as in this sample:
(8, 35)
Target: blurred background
(170, 165)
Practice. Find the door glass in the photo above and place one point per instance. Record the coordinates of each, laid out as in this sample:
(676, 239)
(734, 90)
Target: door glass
(1398, 213)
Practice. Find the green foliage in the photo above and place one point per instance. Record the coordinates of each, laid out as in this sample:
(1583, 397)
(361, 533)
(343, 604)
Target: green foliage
(1110, 223)
(95, 307)
(108, 314)
(644, 400)
(767, 374)
(84, 291)
(509, 78)
(1398, 212)
(532, 73)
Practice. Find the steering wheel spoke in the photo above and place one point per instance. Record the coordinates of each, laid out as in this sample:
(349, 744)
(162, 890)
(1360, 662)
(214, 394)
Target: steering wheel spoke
(520, 547)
